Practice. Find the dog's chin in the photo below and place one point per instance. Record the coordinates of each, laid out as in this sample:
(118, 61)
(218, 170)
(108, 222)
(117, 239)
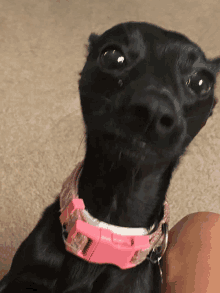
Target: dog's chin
(141, 152)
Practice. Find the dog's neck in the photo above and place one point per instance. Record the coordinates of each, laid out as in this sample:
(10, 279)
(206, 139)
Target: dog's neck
(122, 192)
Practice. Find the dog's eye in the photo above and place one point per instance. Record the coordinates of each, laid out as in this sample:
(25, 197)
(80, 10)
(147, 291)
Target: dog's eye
(201, 83)
(112, 58)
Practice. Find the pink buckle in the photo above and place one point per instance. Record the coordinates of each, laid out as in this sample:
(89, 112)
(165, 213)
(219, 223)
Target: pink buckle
(107, 247)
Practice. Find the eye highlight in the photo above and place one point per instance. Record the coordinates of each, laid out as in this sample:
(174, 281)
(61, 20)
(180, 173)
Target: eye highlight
(112, 58)
(200, 83)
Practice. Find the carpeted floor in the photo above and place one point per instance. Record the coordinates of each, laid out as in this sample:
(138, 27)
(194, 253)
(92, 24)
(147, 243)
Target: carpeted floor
(42, 51)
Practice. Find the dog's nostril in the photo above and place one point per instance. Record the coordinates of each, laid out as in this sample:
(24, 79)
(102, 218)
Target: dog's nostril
(166, 121)
(164, 125)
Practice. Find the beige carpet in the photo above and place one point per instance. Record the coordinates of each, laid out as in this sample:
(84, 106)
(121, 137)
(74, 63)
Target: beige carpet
(41, 53)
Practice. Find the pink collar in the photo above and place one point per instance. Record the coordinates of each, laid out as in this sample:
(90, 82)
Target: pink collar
(98, 242)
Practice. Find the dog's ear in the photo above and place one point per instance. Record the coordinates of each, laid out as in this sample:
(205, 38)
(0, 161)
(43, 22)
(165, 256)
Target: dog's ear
(92, 40)
(216, 64)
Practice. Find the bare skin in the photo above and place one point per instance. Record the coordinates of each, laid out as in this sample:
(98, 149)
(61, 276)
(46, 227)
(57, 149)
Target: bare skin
(192, 258)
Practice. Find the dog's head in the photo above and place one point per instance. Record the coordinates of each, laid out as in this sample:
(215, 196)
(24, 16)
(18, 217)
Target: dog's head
(146, 90)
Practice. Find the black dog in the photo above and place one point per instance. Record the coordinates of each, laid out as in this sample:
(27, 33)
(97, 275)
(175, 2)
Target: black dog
(145, 93)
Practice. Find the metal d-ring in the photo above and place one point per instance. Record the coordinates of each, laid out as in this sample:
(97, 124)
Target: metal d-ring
(159, 251)
(165, 242)
(165, 231)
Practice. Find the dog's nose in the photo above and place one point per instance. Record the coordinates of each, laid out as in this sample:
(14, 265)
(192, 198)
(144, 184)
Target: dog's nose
(153, 112)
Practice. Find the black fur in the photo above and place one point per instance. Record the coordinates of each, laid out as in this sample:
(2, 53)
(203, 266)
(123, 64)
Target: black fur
(141, 111)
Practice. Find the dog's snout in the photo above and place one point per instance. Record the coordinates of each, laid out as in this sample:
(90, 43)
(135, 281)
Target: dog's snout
(154, 113)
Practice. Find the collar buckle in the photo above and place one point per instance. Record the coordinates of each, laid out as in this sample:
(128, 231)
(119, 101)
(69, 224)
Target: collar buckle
(103, 246)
